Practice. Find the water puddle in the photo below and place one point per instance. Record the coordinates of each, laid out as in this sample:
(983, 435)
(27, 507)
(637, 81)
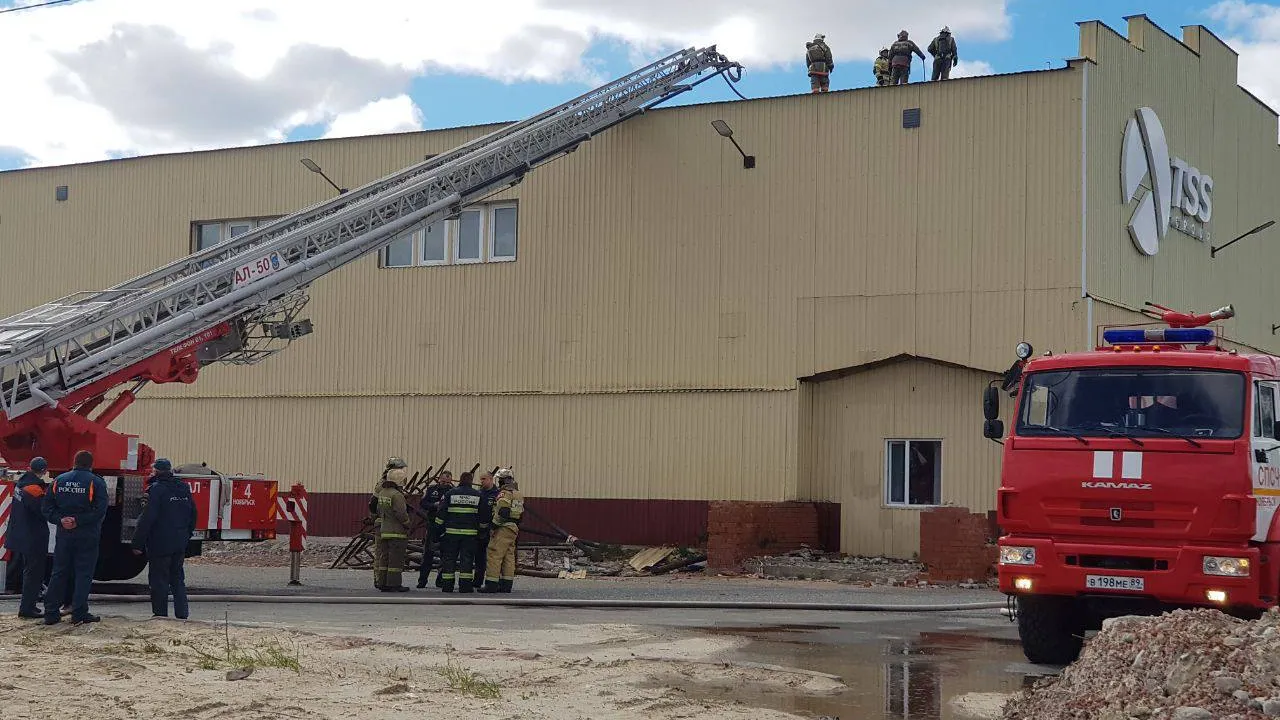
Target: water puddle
(911, 676)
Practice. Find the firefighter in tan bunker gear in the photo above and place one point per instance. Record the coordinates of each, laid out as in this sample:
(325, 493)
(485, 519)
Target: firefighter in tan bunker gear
(390, 527)
(508, 509)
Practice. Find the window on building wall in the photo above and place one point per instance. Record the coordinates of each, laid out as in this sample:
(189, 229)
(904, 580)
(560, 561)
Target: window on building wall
(482, 234)
(468, 236)
(207, 233)
(913, 473)
(435, 243)
(502, 245)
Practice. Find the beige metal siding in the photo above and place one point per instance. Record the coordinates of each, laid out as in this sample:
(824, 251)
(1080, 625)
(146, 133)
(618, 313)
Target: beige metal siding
(648, 259)
(1213, 125)
(852, 417)
(679, 446)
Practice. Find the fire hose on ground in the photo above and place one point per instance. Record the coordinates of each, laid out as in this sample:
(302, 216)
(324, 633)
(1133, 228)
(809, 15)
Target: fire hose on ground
(568, 603)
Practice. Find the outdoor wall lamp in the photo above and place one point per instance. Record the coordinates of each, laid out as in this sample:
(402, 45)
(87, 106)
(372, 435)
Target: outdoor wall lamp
(310, 164)
(722, 127)
(1213, 251)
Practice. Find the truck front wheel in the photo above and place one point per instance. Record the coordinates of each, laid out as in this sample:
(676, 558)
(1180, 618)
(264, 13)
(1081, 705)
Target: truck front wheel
(1051, 629)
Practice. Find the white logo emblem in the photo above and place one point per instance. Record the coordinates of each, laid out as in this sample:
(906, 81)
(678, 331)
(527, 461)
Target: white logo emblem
(1175, 185)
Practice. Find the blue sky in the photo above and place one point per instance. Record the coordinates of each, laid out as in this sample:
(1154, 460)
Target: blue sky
(97, 79)
(1044, 36)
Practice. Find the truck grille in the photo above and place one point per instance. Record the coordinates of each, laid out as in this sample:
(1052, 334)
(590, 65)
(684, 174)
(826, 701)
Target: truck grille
(1162, 517)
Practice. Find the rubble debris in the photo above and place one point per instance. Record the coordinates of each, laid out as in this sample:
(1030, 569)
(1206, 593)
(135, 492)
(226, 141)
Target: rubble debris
(808, 564)
(649, 557)
(1183, 665)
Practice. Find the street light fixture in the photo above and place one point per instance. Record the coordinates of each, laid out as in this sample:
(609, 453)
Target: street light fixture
(1213, 251)
(722, 127)
(310, 164)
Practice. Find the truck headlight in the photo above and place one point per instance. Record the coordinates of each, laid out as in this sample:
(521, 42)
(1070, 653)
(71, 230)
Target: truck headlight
(1226, 566)
(1011, 555)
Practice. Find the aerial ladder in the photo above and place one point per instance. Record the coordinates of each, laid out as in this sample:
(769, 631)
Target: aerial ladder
(71, 367)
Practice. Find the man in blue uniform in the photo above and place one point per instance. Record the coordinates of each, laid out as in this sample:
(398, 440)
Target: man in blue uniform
(28, 536)
(429, 506)
(164, 530)
(76, 503)
(488, 495)
(458, 523)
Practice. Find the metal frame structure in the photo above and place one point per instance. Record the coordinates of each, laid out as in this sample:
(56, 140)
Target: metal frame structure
(49, 353)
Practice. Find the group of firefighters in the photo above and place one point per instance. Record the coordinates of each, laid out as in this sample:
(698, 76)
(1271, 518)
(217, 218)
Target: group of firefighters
(892, 67)
(474, 528)
(75, 503)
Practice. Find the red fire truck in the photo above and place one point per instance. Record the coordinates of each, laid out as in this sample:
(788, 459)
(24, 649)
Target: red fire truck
(1137, 477)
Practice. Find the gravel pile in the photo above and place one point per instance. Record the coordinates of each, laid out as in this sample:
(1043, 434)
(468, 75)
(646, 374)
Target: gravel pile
(1184, 665)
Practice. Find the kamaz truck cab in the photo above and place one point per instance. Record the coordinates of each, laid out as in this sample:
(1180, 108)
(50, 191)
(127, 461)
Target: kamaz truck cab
(1137, 477)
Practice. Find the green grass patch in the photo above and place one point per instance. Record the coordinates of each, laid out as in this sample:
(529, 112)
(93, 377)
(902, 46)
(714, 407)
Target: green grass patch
(469, 683)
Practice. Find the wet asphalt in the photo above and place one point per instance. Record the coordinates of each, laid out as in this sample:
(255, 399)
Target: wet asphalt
(895, 665)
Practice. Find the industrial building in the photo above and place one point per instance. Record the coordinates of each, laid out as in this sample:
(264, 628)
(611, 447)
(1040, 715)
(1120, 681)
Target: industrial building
(649, 325)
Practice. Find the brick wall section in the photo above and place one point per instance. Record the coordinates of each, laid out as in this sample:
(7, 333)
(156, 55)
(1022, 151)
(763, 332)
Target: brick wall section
(954, 545)
(737, 531)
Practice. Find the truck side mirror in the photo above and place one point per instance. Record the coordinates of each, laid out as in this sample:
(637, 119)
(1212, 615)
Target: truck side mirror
(991, 403)
(993, 429)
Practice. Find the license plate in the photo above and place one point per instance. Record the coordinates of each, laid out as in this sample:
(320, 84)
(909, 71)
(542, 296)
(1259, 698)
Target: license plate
(259, 268)
(1111, 582)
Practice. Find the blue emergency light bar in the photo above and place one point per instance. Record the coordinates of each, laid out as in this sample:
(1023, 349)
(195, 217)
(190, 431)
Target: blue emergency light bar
(1173, 336)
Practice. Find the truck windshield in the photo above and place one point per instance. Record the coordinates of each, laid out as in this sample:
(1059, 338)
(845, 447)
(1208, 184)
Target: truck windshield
(1133, 401)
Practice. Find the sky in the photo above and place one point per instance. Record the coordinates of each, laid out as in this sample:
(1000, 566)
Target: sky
(87, 80)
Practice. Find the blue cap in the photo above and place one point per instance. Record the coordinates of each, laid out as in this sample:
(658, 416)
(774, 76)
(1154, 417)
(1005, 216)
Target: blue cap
(39, 465)
(163, 465)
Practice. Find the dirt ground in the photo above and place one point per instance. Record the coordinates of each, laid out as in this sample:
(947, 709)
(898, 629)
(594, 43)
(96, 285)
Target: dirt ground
(122, 669)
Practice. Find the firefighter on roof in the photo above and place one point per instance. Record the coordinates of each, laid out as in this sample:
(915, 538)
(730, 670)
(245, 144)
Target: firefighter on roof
(819, 62)
(508, 509)
(945, 55)
(881, 68)
(900, 59)
(76, 504)
(391, 527)
(28, 536)
(459, 524)
(164, 530)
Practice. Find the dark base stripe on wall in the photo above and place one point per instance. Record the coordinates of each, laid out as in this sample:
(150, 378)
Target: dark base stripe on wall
(619, 522)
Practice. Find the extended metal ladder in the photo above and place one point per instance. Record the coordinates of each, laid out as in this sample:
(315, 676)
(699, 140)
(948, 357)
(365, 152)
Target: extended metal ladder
(258, 280)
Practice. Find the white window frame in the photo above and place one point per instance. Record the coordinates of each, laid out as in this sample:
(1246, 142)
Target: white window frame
(492, 234)
(224, 229)
(480, 241)
(384, 255)
(420, 254)
(887, 478)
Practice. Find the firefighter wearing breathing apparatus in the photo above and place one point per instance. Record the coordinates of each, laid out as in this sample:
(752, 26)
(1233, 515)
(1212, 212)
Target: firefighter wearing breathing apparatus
(390, 527)
(508, 509)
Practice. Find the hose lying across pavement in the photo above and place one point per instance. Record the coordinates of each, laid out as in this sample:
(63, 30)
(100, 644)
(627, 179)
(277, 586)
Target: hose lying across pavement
(563, 603)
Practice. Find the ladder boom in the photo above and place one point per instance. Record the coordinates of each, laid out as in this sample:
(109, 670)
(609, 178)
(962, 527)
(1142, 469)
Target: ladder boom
(257, 282)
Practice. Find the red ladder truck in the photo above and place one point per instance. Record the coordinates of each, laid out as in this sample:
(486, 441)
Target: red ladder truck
(69, 368)
(1137, 477)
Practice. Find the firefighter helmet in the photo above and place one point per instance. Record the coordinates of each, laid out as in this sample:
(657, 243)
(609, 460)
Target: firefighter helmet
(504, 476)
(396, 462)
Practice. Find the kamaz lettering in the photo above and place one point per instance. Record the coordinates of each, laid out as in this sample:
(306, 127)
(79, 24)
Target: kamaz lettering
(1105, 485)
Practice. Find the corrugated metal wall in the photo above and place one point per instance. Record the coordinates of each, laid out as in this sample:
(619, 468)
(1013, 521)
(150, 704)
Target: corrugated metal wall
(852, 417)
(1216, 127)
(679, 446)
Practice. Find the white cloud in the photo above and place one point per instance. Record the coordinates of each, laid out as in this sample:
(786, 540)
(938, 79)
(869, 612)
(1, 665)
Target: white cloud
(101, 78)
(972, 68)
(1253, 30)
(389, 115)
